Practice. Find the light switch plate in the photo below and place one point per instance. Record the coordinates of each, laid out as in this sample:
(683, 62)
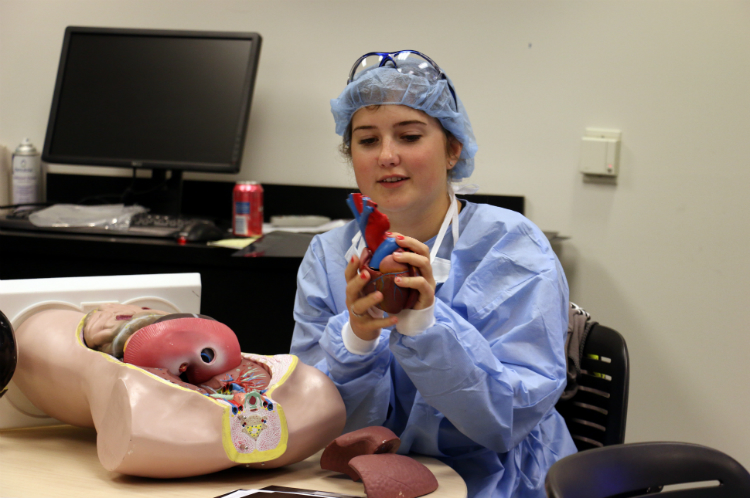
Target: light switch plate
(600, 152)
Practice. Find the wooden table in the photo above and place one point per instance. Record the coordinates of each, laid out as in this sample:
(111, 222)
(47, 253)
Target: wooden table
(61, 461)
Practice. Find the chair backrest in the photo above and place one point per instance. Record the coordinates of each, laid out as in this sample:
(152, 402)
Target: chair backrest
(597, 414)
(638, 469)
(8, 353)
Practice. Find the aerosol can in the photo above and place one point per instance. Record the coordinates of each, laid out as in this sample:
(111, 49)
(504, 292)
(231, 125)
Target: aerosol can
(26, 174)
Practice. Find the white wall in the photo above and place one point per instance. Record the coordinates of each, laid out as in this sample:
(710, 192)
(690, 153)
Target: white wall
(661, 256)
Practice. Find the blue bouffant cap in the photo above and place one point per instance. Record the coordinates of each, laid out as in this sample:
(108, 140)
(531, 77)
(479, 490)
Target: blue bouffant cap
(389, 85)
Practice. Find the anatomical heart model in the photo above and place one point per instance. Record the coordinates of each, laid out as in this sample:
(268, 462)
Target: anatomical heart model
(377, 257)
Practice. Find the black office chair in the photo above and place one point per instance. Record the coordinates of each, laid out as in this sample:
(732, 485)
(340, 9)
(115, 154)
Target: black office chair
(597, 413)
(8, 353)
(650, 469)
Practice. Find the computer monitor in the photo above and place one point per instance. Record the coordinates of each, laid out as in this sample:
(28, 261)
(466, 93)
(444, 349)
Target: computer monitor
(158, 99)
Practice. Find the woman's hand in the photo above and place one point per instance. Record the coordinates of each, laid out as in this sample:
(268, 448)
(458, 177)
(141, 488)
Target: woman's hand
(362, 323)
(419, 257)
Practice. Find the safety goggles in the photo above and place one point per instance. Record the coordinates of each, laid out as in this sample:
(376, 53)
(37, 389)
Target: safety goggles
(408, 62)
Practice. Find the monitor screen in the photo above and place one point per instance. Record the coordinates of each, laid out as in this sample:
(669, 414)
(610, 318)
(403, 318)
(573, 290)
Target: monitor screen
(177, 100)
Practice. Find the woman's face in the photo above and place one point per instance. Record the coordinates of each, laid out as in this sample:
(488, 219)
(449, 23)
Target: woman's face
(400, 159)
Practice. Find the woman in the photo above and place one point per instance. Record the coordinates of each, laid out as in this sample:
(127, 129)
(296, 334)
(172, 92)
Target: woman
(472, 374)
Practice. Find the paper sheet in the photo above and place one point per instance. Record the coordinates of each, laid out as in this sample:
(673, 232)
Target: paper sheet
(235, 243)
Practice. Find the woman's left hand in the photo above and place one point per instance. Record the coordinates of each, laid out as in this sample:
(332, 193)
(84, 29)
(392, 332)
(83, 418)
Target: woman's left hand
(419, 257)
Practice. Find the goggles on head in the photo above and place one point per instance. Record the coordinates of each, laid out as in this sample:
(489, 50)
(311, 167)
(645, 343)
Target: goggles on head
(408, 62)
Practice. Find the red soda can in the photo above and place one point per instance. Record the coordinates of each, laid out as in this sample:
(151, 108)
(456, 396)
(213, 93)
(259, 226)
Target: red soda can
(247, 203)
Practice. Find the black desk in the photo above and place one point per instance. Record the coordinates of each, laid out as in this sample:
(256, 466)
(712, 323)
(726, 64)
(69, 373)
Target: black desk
(254, 296)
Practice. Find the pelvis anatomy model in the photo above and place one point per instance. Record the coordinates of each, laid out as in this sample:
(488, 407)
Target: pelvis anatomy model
(171, 395)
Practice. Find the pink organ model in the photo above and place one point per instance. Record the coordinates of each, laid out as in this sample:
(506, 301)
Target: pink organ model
(197, 347)
(377, 257)
(183, 401)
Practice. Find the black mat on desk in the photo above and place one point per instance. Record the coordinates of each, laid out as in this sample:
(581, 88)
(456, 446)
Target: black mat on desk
(277, 244)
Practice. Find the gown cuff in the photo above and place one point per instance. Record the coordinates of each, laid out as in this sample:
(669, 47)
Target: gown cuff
(356, 345)
(411, 322)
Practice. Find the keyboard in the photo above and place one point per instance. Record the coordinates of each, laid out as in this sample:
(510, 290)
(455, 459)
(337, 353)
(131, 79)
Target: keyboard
(142, 224)
(160, 224)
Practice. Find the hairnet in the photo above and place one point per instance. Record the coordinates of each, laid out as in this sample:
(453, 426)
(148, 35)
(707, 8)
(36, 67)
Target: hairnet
(387, 85)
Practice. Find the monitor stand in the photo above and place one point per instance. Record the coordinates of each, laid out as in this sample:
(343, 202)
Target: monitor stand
(166, 197)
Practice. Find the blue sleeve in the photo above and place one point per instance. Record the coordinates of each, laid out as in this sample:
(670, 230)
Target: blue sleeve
(493, 364)
(364, 382)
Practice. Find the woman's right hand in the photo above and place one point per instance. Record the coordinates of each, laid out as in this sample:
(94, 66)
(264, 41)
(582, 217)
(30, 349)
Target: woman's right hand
(361, 321)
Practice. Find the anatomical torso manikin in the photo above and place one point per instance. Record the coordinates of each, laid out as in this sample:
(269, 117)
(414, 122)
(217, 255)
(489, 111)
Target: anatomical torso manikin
(171, 395)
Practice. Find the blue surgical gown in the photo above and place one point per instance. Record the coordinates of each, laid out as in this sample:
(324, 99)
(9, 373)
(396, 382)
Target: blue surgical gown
(477, 389)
